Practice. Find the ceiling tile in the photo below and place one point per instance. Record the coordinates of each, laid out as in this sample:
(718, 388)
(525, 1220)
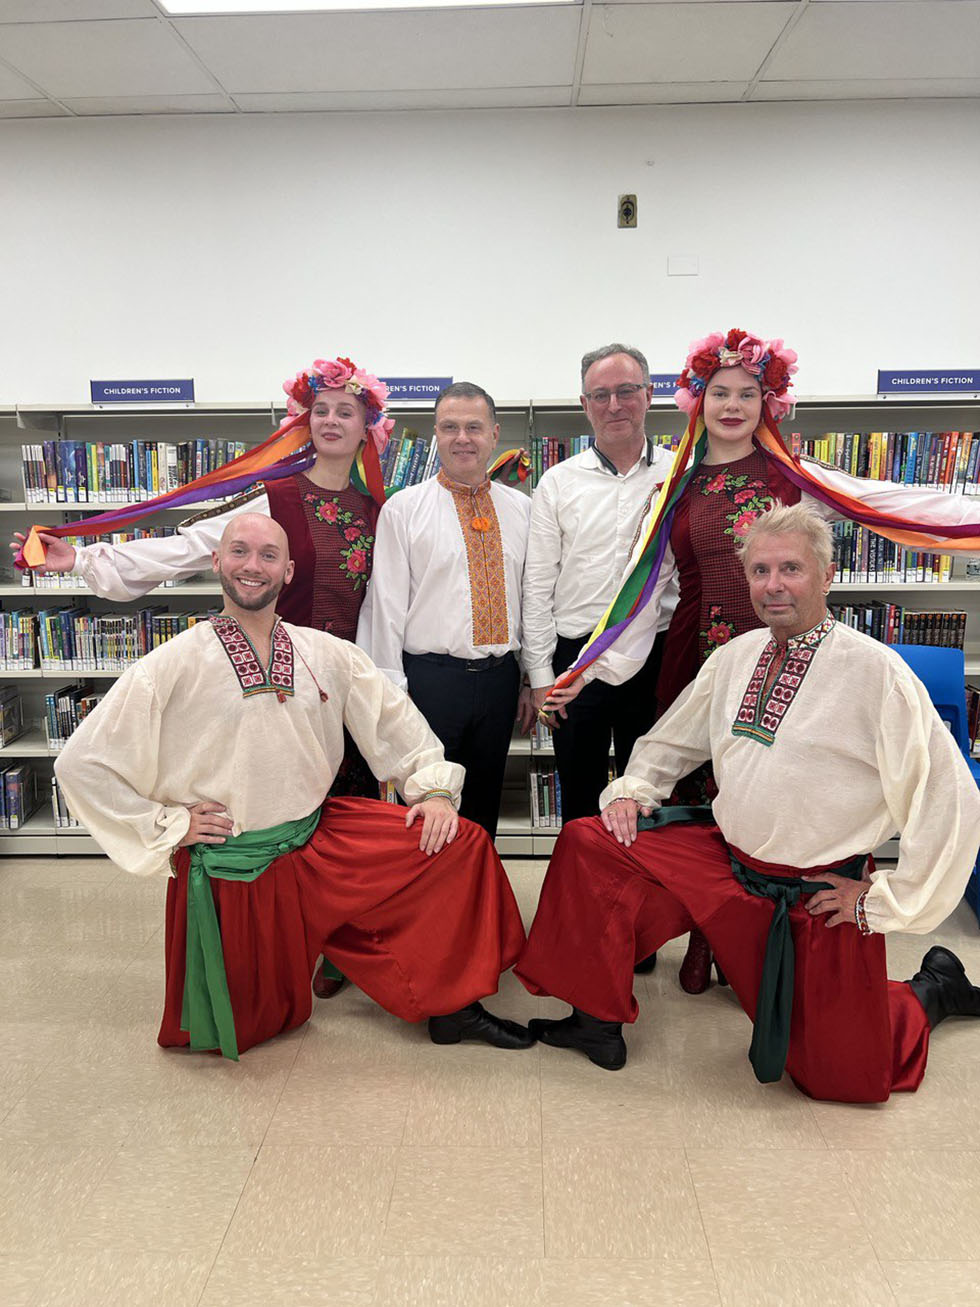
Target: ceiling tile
(125, 57)
(878, 89)
(48, 11)
(681, 42)
(389, 51)
(893, 39)
(519, 97)
(31, 109)
(138, 104)
(663, 93)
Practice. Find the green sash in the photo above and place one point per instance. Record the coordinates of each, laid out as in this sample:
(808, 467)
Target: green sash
(206, 1014)
(774, 1001)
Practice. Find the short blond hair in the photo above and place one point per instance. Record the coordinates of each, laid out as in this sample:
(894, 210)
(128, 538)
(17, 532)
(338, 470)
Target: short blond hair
(791, 519)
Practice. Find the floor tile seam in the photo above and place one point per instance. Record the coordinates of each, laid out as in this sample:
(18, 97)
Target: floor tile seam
(416, 1058)
(29, 1085)
(282, 1089)
(884, 1274)
(837, 1154)
(230, 1222)
(704, 1228)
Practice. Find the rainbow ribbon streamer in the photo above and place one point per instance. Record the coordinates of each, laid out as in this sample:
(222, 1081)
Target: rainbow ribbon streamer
(637, 589)
(283, 454)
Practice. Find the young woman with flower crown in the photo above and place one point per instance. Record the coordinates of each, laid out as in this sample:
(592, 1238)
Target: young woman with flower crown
(731, 467)
(319, 495)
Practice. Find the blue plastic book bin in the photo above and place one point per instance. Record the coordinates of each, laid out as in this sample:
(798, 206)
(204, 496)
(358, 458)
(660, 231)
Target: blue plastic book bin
(942, 672)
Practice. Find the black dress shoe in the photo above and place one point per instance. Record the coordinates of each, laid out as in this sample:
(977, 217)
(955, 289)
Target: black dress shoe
(601, 1041)
(475, 1022)
(942, 987)
(645, 965)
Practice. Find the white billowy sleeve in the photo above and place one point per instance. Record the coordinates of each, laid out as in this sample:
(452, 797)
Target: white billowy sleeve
(394, 737)
(930, 507)
(129, 571)
(384, 613)
(107, 768)
(679, 742)
(539, 634)
(935, 804)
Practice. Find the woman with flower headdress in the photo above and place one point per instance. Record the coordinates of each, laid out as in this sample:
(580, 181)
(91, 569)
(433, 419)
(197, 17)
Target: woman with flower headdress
(321, 481)
(731, 466)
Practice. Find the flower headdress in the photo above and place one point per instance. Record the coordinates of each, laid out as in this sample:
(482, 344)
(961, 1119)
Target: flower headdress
(342, 374)
(767, 360)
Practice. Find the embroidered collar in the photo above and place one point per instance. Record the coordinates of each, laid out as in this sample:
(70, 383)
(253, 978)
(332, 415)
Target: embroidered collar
(775, 683)
(253, 678)
(459, 487)
(610, 466)
(809, 639)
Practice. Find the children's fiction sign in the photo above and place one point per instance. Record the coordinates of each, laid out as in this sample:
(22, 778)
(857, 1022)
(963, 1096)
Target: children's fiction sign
(142, 392)
(929, 381)
(415, 388)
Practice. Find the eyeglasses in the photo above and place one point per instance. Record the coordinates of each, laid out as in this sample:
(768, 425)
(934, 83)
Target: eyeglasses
(623, 394)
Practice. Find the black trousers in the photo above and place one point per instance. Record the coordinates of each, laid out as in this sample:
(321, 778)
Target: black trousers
(601, 715)
(472, 712)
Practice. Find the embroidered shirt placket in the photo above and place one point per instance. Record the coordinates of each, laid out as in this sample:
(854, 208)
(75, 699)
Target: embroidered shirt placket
(775, 683)
(485, 561)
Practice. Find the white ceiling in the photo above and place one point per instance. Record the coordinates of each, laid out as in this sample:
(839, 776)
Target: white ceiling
(62, 58)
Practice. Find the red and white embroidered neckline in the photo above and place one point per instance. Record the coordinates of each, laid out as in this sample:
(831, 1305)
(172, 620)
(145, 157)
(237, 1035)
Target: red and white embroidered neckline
(253, 678)
(767, 699)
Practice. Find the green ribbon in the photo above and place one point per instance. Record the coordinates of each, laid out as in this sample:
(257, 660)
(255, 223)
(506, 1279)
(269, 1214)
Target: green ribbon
(774, 1001)
(206, 1014)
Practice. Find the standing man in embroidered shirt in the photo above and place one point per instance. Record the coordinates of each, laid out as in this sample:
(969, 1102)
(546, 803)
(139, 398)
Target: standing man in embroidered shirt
(585, 514)
(442, 617)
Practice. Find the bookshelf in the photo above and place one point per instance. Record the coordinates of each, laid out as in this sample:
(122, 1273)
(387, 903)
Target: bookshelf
(521, 421)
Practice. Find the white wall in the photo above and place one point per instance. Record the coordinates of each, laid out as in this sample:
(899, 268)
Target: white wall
(483, 244)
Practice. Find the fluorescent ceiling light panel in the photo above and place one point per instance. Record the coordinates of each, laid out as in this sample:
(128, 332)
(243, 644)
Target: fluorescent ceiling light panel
(181, 8)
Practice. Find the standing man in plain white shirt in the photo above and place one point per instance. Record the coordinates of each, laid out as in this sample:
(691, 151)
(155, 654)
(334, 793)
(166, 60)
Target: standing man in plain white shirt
(585, 514)
(442, 617)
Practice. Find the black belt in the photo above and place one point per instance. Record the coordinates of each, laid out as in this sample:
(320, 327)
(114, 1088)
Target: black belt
(464, 664)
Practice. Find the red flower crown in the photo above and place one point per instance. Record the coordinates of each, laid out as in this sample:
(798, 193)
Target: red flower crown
(342, 374)
(767, 360)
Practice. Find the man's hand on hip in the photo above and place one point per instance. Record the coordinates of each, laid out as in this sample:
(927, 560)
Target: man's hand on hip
(840, 900)
(440, 822)
(208, 825)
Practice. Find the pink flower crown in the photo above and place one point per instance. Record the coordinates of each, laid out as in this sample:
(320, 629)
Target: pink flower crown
(342, 374)
(768, 360)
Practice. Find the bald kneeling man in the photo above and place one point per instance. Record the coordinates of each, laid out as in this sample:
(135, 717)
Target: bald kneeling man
(210, 761)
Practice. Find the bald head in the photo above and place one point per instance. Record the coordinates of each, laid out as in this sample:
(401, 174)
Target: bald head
(257, 528)
(252, 562)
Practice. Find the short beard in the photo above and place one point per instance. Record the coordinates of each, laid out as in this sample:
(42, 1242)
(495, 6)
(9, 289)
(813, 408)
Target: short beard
(257, 603)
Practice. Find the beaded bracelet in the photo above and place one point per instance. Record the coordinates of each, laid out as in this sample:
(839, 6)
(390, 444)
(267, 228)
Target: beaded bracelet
(437, 794)
(860, 916)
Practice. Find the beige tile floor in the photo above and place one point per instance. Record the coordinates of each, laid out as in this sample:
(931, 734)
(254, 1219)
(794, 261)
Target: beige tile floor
(352, 1162)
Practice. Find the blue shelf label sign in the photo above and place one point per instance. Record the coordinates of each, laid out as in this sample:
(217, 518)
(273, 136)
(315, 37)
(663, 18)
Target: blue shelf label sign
(415, 388)
(142, 392)
(664, 383)
(929, 381)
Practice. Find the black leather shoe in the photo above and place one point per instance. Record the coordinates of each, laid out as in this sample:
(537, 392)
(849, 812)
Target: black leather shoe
(645, 965)
(475, 1022)
(601, 1041)
(942, 987)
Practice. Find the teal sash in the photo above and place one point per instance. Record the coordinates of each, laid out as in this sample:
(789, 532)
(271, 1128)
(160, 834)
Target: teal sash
(206, 1014)
(774, 1001)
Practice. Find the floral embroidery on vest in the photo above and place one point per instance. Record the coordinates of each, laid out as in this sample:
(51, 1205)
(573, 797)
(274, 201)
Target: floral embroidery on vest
(353, 531)
(748, 496)
(484, 560)
(252, 676)
(762, 710)
(719, 631)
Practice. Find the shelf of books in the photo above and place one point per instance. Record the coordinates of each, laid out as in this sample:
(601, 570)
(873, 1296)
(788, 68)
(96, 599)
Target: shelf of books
(60, 646)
